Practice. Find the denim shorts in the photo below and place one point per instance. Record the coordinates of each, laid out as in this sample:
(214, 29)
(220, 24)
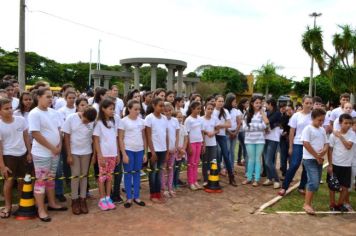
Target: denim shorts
(314, 170)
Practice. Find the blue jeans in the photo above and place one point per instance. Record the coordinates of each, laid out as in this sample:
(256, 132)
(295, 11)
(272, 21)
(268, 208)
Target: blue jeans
(177, 168)
(254, 162)
(284, 156)
(314, 170)
(296, 159)
(63, 169)
(222, 142)
(231, 145)
(154, 176)
(242, 148)
(133, 179)
(270, 150)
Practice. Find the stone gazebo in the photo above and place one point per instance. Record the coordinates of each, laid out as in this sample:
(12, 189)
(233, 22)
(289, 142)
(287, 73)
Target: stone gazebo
(172, 66)
(106, 75)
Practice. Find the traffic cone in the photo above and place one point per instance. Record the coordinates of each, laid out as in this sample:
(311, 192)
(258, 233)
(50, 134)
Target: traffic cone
(213, 185)
(27, 208)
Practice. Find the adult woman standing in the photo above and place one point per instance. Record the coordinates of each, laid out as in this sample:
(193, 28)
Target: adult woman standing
(297, 123)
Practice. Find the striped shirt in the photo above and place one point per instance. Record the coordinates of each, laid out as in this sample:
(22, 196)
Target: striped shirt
(255, 132)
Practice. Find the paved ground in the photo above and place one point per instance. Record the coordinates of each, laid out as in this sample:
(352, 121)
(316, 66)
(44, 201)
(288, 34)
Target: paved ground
(190, 213)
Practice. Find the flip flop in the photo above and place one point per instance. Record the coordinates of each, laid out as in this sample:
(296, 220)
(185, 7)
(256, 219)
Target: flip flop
(5, 214)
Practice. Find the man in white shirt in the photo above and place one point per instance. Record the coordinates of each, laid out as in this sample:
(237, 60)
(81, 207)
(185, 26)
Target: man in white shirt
(344, 98)
(119, 104)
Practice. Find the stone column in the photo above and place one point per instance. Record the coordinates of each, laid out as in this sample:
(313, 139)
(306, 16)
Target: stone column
(137, 76)
(193, 86)
(106, 82)
(180, 82)
(153, 77)
(96, 81)
(188, 88)
(170, 77)
(126, 86)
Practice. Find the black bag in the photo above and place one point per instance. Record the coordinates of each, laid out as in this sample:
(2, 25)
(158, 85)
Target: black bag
(333, 183)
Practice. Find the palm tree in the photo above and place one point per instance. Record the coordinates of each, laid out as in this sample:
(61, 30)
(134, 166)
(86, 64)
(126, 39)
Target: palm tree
(266, 73)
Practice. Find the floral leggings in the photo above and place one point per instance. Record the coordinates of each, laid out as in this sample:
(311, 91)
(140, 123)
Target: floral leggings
(105, 172)
(45, 171)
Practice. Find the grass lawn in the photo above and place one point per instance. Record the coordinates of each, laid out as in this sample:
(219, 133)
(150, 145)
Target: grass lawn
(294, 201)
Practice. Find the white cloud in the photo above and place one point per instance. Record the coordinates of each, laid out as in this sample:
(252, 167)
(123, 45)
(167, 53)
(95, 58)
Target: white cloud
(241, 34)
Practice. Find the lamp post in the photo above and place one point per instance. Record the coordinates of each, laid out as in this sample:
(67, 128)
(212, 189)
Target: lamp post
(315, 15)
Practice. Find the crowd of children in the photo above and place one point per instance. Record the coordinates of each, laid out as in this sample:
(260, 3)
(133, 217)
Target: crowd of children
(53, 137)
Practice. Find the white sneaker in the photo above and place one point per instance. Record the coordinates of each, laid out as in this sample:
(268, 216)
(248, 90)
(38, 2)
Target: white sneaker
(276, 185)
(166, 194)
(267, 182)
(193, 187)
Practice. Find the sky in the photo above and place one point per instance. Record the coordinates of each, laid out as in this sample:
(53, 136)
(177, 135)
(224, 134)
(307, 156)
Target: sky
(244, 34)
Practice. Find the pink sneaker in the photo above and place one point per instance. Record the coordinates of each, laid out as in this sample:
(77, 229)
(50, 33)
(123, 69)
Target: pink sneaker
(110, 203)
(103, 205)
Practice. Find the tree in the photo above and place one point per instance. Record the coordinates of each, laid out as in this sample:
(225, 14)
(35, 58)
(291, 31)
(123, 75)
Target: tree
(277, 86)
(234, 80)
(336, 66)
(266, 75)
(323, 85)
(145, 77)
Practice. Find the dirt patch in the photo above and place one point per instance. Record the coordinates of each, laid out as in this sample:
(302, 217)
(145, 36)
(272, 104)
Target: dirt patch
(190, 213)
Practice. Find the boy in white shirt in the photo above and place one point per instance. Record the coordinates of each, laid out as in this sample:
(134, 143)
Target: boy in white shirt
(14, 151)
(340, 160)
(314, 149)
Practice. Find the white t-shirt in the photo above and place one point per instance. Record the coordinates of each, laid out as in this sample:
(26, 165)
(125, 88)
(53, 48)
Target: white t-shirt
(354, 154)
(209, 126)
(235, 115)
(96, 106)
(222, 132)
(133, 133)
(182, 134)
(47, 123)
(107, 137)
(274, 134)
(338, 112)
(342, 156)
(159, 128)
(60, 102)
(173, 126)
(194, 127)
(91, 101)
(80, 134)
(24, 115)
(65, 112)
(119, 106)
(15, 103)
(299, 121)
(316, 137)
(11, 136)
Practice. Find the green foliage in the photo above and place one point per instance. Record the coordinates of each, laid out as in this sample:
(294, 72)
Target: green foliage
(57, 74)
(267, 76)
(323, 89)
(206, 88)
(338, 67)
(235, 81)
(192, 75)
(278, 85)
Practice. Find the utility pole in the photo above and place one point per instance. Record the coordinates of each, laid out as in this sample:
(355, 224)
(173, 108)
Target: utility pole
(315, 15)
(21, 54)
(90, 68)
(98, 62)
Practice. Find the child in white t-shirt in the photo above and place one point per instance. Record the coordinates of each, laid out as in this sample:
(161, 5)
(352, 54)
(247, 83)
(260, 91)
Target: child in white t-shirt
(107, 150)
(173, 136)
(194, 126)
(78, 131)
(15, 151)
(340, 160)
(210, 124)
(353, 170)
(158, 141)
(69, 108)
(132, 139)
(314, 149)
(182, 147)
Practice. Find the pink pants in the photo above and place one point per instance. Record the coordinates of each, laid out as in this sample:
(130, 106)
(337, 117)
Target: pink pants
(193, 162)
(167, 173)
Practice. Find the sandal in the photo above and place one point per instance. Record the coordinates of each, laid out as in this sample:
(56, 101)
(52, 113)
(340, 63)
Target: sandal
(246, 182)
(309, 210)
(5, 214)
